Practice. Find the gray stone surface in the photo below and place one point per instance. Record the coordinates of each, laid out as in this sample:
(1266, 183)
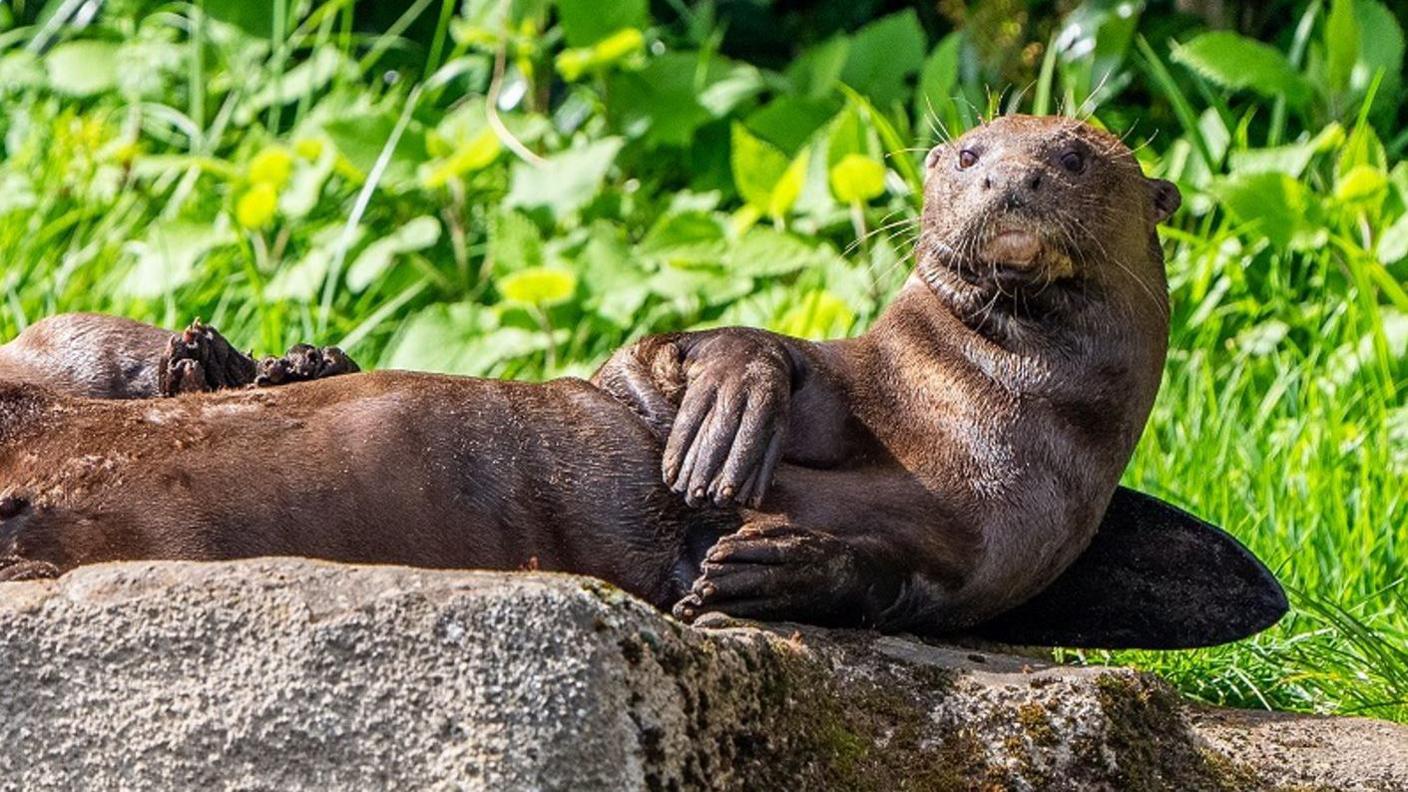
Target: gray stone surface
(294, 675)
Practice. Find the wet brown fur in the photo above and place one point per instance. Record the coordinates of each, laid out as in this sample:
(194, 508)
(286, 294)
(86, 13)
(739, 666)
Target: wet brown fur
(936, 470)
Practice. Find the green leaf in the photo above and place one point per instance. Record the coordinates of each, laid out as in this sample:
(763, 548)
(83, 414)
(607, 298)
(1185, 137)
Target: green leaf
(256, 18)
(1341, 44)
(815, 73)
(857, 179)
(1393, 244)
(614, 276)
(459, 338)
(541, 286)
(1237, 62)
(685, 239)
(361, 136)
(765, 253)
(567, 182)
(514, 243)
(883, 54)
(625, 44)
(418, 234)
(586, 22)
(1381, 50)
(1362, 184)
(1280, 206)
(167, 256)
(819, 314)
(1291, 159)
(82, 68)
(937, 83)
(766, 179)
(789, 122)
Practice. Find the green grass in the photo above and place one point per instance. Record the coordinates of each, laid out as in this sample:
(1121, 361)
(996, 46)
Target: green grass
(282, 187)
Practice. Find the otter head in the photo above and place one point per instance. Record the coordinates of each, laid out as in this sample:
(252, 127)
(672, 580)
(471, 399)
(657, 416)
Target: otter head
(1042, 210)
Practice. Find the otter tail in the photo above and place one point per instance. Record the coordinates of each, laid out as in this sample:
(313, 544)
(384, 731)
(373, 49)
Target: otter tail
(1154, 577)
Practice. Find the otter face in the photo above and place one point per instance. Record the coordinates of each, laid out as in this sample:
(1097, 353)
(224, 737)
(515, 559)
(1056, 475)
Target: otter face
(1026, 203)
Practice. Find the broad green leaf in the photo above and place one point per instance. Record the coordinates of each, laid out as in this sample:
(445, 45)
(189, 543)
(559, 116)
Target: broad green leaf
(1283, 209)
(1381, 50)
(764, 253)
(360, 137)
(541, 286)
(678, 92)
(514, 243)
(256, 18)
(612, 273)
(624, 44)
(883, 54)
(857, 179)
(765, 177)
(469, 157)
(82, 68)
(1291, 159)
(818, 315)
(938, 81)
(789, 122)
(418, 234)
(849, 135)
(815, 73)
(685, 239)
(1393, 244)
(166, 257)
(459, 338)
(1362, 184)
(1341, 43)
(1237, 62)
(567, 182)
(586, 22)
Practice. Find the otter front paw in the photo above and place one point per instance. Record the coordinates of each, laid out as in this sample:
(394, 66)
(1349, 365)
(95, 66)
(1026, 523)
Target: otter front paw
(302, 363)
(727, 439)
(779, 573)
(199, 359)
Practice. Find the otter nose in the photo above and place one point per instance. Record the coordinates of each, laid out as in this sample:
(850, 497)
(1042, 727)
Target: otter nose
(1019, 186)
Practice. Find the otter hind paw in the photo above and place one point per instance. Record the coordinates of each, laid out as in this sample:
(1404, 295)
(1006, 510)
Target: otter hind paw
(774, 574)
(304, 362)
(199, 359)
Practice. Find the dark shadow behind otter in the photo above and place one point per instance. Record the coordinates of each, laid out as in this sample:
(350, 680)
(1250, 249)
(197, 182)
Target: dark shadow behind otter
(1154, 577)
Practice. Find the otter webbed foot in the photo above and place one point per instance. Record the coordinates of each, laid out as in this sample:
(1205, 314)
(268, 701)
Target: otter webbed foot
(782, 573)
(199, 359)
(304, 362)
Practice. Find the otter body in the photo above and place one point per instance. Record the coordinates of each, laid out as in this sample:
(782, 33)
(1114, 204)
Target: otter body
(377, 468)
(942, 468)
(975, 435)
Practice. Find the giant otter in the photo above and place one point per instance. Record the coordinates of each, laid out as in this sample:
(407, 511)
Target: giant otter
(929, 475)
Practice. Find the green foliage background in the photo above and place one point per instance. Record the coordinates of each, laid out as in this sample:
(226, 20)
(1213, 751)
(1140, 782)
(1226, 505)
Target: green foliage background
(517, 187)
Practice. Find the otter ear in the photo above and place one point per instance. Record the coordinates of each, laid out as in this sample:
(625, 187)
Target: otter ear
(1166, 198)
(932, 158)
(1154, 577)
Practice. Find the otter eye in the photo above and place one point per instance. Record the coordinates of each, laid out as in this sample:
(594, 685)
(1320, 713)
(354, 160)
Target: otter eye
(1073, 161)
(967, 158)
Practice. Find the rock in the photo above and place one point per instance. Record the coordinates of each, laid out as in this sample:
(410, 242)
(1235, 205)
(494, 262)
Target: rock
(290, 675)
